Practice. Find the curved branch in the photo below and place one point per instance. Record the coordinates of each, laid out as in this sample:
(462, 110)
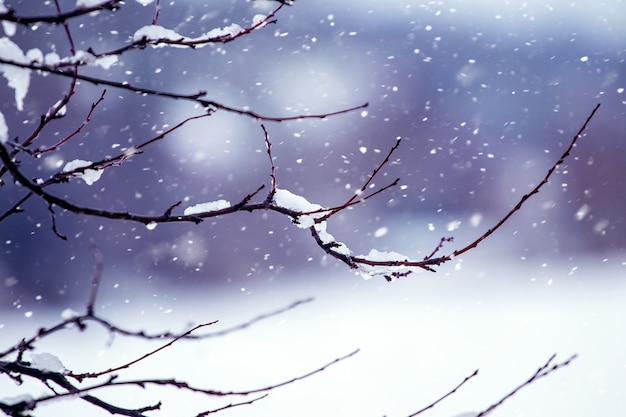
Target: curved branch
(210, 105)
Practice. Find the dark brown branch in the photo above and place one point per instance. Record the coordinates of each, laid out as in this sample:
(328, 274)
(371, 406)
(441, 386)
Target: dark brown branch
(15, 208)
(185, 42)
(127, 365)
(209, 105)
(61, 380)
(76, 131)
(430, 262)
(329, 247)
(365, 185)
(231, 405)
(543, 371)
(534, 191)
(268, 146)
(449, 393)
(53, 220)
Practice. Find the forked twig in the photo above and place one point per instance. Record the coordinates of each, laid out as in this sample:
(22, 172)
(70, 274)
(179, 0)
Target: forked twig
(543, 371)
(534, 191)
(127, 365)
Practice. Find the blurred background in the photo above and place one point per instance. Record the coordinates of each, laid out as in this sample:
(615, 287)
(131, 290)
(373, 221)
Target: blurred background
(485, 97)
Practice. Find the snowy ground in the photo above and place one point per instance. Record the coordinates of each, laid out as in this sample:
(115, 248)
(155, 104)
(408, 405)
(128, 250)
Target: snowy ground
(418, 338)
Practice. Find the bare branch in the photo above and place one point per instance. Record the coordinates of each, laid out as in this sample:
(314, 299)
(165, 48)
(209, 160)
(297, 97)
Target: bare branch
(544, 370)
(534, 191)
(210, 105)
(127, 365)
(446, 395)
(268, 146)
(76, 131)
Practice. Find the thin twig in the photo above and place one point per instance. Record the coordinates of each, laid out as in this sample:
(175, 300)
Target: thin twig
(532, 192)
(543, 371)
(127, 365)
(268, 146)
(209, 105)
(452, 391)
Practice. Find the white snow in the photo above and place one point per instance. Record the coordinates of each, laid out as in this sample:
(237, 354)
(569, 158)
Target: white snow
(421, 334)
(68, 313)
(88, 3)
(297, 203)
(207, 207)
(17, 78)
(328, 238)
(144, 2)
(367, 271)
(26, 398)
(61, 112)
(34, 55)
(258, 18)
(291, 201)
(580, 214)
(156, 33)
(46, 362)
(82, 56)
(8, 27)
(381, 231)
(89, 175)
(4, 129)
(51, 58)
(453, 225)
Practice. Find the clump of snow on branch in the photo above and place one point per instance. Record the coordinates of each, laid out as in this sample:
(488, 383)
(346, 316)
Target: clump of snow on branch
(206, 207)
(297, 203)
(52, 59)
(17, 78)
(4, 129)
(369, 271)
(329, 239)
(8, 27)
(87, 58)
(157, 33)
(88, 3)
(88, 175)
(258, 19)
(68, 313)
(46, 362)
(26, 398)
